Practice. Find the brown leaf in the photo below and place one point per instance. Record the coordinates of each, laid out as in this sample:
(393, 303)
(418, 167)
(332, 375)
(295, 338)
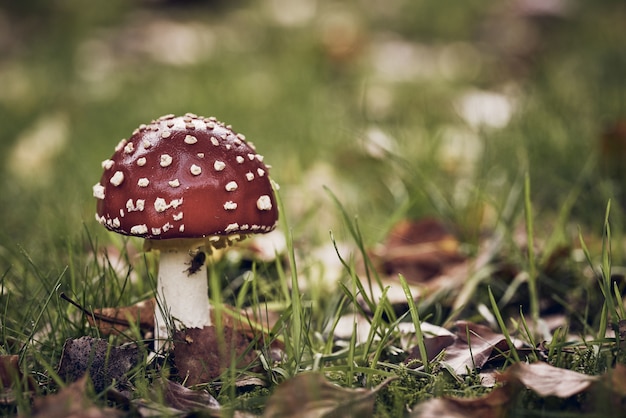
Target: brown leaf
(474, 346)
(310, 395)
(184, 399)
(493, 405)
(10, 378)
(547, 380)
(202, 354)
(9, 370)
(103, 363)
(419, 250)
(617, 379)
(71, 402)
(116, 320)
(434, 346)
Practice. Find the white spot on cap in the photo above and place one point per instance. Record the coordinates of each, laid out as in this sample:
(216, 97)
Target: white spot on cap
(120, 145)
(214, 141)
(98, 191)
(139, 229)
(210, 125)
(178, 216)
(107, 164)
(141, 161)
(200, 155)
(231, 186)
(240, 159)
(241, 136)
(143, 182)
(259, 157)
(146, 144)
(260, 172)
(219, 165)
(181, 228)
(116, 222)
(160, 205)
(130, 147)
(230, 205)
(249, 176)
(232, 227)
(167, 227)
(166, 134)
(174, 183)
(264, 203)
(195, 170)
(135, 207)
(190, 139)
(176, 203)
(166, 160)
(117, 178)
(156, 231)
(251, 157)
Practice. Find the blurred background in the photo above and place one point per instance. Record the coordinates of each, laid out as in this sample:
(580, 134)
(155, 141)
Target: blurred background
(402, 108)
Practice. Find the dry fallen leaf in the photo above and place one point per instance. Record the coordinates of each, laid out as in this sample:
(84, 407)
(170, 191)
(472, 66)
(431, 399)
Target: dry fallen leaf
(71, 402)
(310, 395)
(493, 405)
(418, 250)
(94, 356)
(249, 322)
(186, 400)
(117, 320)
(10, 376)
(547, 380)
(474, 346)
(202, 354)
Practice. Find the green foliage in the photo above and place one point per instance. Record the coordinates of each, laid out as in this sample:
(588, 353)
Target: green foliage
(356, 145)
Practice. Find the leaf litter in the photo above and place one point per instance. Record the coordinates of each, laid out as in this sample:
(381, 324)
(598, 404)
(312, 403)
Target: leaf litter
(430, 258)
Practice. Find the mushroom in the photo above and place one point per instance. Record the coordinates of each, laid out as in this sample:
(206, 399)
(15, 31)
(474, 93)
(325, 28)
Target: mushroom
(187, 185)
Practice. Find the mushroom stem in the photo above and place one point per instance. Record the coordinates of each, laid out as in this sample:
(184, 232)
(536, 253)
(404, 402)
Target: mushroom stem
(182, 294)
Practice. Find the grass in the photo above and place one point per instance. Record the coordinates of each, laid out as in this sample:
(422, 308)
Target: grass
(356, 145)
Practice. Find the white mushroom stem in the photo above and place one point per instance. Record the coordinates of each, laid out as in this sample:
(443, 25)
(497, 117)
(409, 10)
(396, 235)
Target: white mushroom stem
(182, 295)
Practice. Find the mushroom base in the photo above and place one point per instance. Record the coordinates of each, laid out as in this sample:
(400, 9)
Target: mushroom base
(182, 294)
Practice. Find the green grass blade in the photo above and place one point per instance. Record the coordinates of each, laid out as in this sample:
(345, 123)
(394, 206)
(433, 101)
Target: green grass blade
(417, 323)
(502, 325)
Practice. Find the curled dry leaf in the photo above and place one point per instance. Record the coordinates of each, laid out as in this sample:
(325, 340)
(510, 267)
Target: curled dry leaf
(310, 395)
(474, 346)
(547, 380)
(202, 354)
(71, 402)
(184, 399)
(492, 405)
(117, 320)
(426, 255)
(94, 356)
(249, 322)
(420, 251)
(11, 378)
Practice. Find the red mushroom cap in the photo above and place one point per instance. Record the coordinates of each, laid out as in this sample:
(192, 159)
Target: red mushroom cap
(185, 177)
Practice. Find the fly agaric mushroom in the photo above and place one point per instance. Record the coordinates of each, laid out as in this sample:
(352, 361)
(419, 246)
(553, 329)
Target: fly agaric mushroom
(188, 185)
